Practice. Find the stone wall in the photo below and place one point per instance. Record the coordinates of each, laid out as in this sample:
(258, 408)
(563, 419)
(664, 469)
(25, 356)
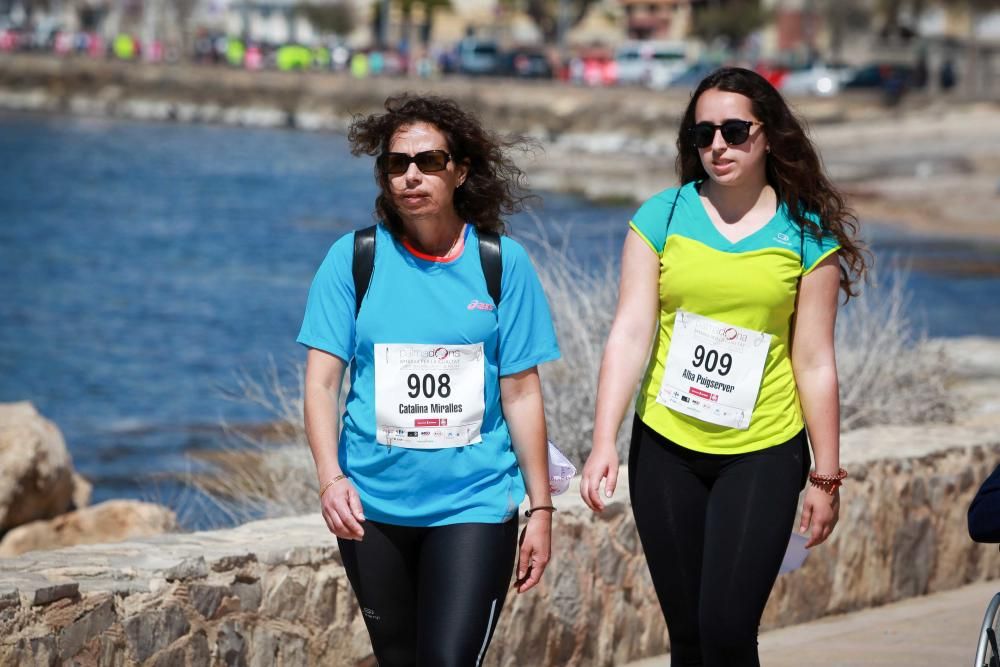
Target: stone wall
(274, 592)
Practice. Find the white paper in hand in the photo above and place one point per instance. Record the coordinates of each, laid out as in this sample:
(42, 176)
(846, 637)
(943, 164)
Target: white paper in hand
(795, 554)
(561, 471)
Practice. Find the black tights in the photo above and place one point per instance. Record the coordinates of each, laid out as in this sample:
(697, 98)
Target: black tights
(431, 596)
(714, 528)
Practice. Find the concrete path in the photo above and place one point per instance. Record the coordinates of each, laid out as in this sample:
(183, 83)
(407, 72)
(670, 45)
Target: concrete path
(929, 631)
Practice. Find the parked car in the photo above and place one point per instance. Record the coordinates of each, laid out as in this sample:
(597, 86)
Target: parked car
(892, 80)
(818, 79)
(692, 76)
(652, 63)
(774, 72)
(593, 67)
(42, 36)
(13, 39)
(477, 57)
(881, 75)
(526, 64)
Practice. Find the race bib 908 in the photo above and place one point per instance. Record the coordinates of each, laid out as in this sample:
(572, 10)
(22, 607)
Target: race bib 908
(713, 370)
(429, 396)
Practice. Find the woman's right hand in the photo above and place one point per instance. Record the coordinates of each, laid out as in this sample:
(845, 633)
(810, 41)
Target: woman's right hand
(625, 355)
(342, 510)
(602, 464)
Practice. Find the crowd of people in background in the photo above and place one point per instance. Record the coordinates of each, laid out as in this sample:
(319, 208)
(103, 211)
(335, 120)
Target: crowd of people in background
(651, 64)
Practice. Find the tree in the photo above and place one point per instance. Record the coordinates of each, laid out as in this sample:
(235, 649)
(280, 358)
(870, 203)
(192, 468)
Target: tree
(429, 7)
(973, 72)
(551, 17)
(733, 21)
(406, 6)
(974, 9)
(33, 6)
(336, 18)
(182, 11)
(844, 17)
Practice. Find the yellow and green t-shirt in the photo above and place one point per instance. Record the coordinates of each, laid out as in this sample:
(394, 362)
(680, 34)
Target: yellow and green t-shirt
(751, 283)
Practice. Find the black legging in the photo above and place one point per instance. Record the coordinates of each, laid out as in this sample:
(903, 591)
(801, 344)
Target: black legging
(714, 528)
(431, 596)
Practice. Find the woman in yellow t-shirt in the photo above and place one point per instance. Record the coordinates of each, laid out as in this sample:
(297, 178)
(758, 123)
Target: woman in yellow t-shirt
(737, 273)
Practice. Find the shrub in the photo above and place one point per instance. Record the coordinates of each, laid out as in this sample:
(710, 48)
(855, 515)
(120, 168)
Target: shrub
(890, 373)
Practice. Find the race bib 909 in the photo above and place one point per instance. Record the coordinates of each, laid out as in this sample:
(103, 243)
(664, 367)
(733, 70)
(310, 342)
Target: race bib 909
(713, 370)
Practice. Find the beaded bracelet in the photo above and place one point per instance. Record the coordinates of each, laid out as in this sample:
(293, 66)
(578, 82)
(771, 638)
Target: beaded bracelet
(828, 483)
(528, 513)
(326, 486)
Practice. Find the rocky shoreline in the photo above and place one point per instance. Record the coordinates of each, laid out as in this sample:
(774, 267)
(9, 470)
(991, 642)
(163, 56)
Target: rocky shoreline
(45, 503)
(925, 165)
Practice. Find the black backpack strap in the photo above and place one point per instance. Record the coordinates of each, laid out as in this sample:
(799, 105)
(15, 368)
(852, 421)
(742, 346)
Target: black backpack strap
(363, 264)
(492, 260)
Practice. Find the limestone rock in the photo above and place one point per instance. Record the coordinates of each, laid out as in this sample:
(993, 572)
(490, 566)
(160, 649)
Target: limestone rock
(189, 568)
(98, 616)
(36, 475)
(82, 491)
(154, 630)
(111, 521)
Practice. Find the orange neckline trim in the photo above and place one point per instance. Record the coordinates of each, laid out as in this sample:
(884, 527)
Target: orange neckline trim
(451, 256)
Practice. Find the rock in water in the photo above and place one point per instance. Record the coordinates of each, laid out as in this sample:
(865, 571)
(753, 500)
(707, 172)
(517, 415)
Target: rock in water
(36, 472)
(111, 521)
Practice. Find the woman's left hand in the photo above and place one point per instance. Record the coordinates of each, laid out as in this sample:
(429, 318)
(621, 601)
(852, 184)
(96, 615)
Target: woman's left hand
(535, 550)
(820, 512)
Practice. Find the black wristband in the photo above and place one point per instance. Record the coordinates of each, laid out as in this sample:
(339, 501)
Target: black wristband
(531, 511)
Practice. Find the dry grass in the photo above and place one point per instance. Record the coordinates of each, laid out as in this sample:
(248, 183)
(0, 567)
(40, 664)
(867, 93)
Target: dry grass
(889, 374)
(582, 301)
(264, 472)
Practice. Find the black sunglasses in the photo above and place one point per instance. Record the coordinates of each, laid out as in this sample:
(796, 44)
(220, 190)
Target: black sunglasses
(734, 132)
(426, 161)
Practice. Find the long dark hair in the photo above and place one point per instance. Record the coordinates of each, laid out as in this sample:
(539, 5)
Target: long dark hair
(494, 186)
(794, 168)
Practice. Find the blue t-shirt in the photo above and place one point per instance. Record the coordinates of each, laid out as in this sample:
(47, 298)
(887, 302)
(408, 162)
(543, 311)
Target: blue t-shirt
(415, 301)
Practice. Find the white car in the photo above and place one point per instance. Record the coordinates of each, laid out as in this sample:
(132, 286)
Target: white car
(820, 79)
(653, 64)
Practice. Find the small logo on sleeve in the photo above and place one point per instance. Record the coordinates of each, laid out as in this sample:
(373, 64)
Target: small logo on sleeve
(782, 238)
(476, 304)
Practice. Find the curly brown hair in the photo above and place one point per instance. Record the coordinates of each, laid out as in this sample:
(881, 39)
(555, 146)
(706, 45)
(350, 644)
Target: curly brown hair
(794, 168)
(494, 186)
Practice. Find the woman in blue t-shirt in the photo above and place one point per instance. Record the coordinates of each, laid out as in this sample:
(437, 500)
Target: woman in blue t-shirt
(444, 427)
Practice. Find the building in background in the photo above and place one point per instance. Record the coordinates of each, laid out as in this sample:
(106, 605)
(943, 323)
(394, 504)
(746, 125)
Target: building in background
(267, 21)
(658, 19)
(861, 29)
